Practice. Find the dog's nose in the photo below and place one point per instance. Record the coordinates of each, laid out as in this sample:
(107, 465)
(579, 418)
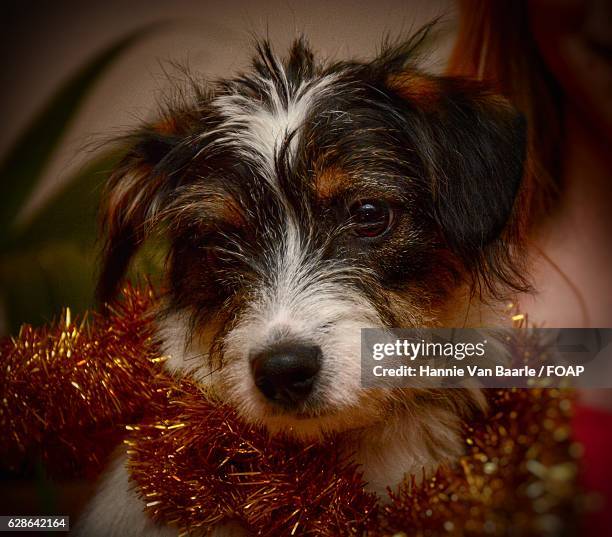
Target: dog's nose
(286, 373)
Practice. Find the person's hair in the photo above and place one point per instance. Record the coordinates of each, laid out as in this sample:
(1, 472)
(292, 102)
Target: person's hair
(495, 44)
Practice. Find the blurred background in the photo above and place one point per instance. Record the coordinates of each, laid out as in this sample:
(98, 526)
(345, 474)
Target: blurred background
(76, 74)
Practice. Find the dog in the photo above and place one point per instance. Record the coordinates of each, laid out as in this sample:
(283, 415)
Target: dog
(304, 200)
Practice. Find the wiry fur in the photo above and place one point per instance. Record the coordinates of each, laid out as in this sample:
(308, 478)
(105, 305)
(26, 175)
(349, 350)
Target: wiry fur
(253, 180)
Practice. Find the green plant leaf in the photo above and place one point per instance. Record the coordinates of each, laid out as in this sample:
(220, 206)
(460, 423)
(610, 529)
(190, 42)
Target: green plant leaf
(29, 155)
(35, 284)
(70, 214)
(52, 262)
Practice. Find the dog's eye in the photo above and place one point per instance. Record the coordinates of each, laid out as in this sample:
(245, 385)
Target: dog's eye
(370, 218)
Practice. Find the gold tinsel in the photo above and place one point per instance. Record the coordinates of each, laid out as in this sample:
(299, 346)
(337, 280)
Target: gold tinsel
(71, 390)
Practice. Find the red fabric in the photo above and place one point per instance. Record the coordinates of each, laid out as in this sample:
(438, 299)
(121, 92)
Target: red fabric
(593, 429)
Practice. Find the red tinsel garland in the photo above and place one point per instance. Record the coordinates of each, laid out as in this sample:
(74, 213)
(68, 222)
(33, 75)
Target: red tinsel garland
(217, 468)
(70, 390)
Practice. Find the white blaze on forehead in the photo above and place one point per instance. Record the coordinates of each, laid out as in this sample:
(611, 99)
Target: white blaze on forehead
(258, 127)
(303, 297)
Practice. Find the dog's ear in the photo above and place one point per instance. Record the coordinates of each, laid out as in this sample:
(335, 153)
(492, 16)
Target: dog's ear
(471, 145)
(135, 195)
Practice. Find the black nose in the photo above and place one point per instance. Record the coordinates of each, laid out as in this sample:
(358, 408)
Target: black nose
(286, 373)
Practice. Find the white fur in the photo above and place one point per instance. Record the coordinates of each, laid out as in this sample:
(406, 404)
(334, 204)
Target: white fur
(182, 356)
(405, 445)
(116, 510)
(308, 301)
(256, 129)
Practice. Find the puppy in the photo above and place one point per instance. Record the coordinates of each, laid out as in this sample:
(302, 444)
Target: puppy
(304, 201)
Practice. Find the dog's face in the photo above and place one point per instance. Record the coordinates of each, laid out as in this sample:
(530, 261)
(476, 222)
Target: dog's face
(304, 202)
